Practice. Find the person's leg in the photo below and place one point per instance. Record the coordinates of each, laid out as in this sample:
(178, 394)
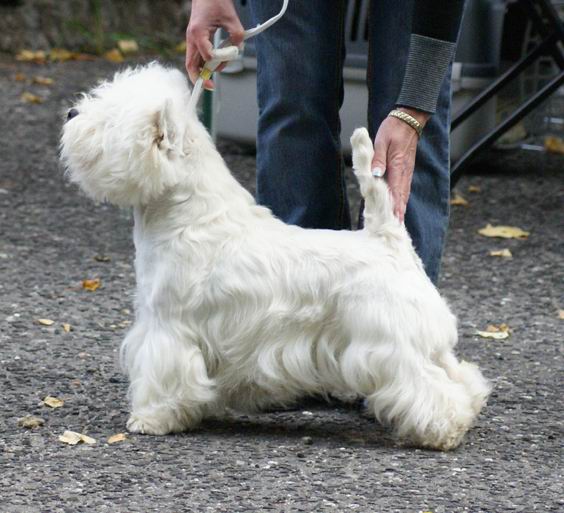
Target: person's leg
(300, 173)
(427, 213)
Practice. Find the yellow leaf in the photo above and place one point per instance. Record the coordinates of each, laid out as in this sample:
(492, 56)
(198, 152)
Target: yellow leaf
(128, 46)
(180, 47)
(39, 57)
(500, 332)
(31, 98)
(91, 285)
(114, 56)
(30, 422)
(561, 314)
(474, 188)
(504, 232)
(73, 438)
(45, 81)
(53, 402)
(66, 327)
(46, 322)
(102, 258)
(554, 145)
(120, 437)
(20, 77)
(61, 55)
(457, 199)
(504, 253)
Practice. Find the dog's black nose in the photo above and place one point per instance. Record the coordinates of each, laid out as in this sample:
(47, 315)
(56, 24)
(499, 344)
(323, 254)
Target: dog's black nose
(72, 113)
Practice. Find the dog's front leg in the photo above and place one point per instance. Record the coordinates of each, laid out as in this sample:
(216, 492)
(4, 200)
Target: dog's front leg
(170, 389)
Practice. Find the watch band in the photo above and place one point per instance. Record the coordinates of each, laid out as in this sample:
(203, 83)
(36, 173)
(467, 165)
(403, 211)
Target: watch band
(406, 118)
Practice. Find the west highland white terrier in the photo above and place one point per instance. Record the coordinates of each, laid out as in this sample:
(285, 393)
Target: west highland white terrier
(234, 308)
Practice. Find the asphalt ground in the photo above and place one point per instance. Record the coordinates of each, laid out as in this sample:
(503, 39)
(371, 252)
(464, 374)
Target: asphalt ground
(319, 457)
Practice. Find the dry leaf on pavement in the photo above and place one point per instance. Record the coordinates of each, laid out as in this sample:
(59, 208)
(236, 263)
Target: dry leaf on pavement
(114, 56)
(458, 200)
(500, 332)
(20, 77)
(128, 46)
(30, 422)
(66, 327)
(102, 258)
(474, 188)
(53, 402)
(73, 438)
(46, 322)
(504, 232)
(61, 55)
(180, 47)
(31, 98)
(39, 57)
(120, 437)
(91, 285)
(561, 314)
(504, 253)
(44, 81)
(554, 145)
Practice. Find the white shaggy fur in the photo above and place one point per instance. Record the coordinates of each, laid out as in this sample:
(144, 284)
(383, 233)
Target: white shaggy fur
(235, 308)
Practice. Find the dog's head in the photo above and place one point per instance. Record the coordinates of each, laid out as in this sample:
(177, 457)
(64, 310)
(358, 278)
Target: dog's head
(122, 142)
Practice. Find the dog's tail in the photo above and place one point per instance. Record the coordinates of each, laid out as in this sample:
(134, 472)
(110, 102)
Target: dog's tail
(378, 204)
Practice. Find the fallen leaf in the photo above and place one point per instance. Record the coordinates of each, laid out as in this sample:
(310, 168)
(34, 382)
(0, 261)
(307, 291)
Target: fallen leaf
(504, 253)
(91, 285)
(45, 81)
(30, 422)
(114, 56)
(120, 437)
(31, 98)
(554, 145)
(180, 47)
(83, 355)
(474, 188)
(102, 258)
(20, 77)
(53, 402)
(46, 322)
(504, 232)
(128, 46)
(66, 327)
(61, 55)
(73, 438)
(561, 314)
(39, 56)
(500, 332)
(458, 200)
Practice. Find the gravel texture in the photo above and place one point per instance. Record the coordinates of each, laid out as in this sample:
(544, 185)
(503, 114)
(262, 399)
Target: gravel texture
(317, 458)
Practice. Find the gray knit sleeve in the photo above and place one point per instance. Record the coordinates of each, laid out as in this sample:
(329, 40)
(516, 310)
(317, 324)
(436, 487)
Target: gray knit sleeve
(427, 66)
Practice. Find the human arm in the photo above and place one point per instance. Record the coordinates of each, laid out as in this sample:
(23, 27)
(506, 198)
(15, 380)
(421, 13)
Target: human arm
(205, 18)
(433, 41)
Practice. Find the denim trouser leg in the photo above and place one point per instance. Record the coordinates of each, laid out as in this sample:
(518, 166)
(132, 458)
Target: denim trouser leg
(428, 207)
(300, 173)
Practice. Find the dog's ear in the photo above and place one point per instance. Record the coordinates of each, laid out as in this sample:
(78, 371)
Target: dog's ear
(167, 137)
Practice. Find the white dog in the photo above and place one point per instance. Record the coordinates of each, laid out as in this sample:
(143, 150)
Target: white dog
(236, 309)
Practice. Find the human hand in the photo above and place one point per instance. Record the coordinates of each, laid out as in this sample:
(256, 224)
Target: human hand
(206, 17)
(395, 146)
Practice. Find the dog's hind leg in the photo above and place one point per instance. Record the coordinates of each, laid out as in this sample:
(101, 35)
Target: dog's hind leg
(378, 205)
(412, 394)
(170, 390)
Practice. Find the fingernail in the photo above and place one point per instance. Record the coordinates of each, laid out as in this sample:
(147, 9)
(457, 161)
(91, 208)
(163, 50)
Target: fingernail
(378, 172)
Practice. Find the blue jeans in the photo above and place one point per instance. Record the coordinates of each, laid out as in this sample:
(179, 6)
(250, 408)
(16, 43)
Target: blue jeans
(300, 170)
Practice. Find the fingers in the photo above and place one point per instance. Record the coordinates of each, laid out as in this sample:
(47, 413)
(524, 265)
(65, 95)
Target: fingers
(236, 30)
(380, 157)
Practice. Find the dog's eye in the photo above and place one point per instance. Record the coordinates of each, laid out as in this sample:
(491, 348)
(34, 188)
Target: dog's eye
(72, 113)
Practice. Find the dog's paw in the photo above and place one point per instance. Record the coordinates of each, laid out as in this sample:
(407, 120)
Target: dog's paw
(148, 426)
